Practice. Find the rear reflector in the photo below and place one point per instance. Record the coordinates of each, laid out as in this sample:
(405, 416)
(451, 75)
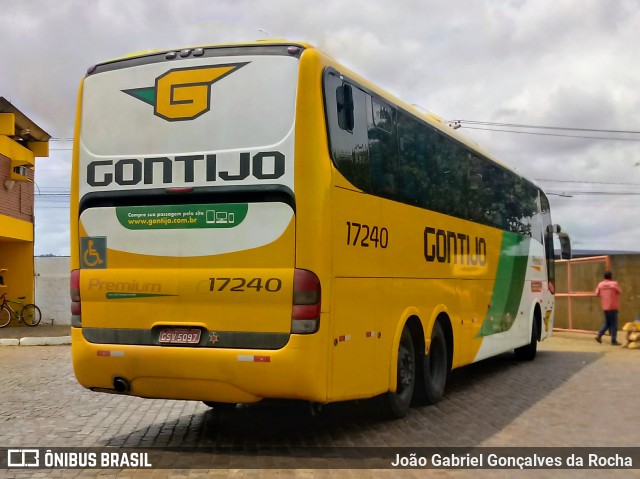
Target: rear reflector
(75, 285)
(253, 359)
(181, 189)
(110, 354)
(74, 290)
(306, 302)
(306, 311)
(304, 326)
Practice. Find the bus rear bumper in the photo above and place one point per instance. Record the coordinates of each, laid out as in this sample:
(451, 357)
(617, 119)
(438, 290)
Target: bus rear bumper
(217, 375)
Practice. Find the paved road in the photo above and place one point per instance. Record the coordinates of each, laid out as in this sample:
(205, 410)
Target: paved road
(576, 393)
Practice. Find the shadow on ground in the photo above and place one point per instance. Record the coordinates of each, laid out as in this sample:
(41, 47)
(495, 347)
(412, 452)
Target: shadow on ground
(480, 400)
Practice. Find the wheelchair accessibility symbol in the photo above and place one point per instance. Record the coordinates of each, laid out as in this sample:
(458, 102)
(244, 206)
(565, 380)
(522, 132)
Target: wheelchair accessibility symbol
(93, 252)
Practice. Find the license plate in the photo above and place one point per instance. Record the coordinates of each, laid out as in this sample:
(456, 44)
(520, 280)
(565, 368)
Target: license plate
(179, 336)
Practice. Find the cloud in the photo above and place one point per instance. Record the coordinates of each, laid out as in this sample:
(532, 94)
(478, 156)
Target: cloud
(545, 62)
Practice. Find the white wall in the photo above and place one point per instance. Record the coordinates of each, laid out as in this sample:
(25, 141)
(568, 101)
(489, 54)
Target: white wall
(52, 289)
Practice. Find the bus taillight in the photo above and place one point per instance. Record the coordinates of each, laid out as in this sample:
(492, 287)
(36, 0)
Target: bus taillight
(306, 302)
(76, 321)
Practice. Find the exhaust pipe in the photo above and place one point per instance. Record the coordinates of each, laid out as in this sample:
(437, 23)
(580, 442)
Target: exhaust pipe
(121, 385)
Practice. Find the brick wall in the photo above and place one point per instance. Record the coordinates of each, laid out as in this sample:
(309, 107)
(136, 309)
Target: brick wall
(17, 203)
(586, 311)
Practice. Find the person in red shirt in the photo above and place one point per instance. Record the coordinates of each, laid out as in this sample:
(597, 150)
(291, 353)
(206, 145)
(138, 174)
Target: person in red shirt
(609, 292)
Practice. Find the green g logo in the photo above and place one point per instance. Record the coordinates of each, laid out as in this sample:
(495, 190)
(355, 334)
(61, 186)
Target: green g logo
(183, 93)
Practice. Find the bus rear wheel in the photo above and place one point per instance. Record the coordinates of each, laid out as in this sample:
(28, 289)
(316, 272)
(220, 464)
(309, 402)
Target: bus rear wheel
(435, 366)
(528, 351)
(396, 404)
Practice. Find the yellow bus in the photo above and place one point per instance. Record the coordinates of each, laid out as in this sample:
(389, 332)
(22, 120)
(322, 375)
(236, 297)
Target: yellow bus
(255, 221)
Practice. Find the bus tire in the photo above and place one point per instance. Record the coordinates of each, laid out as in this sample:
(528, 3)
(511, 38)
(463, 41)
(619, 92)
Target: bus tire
(528, 352)
(396, 404)
(435, 366)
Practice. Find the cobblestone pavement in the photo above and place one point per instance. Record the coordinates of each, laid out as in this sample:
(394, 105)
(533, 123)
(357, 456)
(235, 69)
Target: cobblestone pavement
(576, 393)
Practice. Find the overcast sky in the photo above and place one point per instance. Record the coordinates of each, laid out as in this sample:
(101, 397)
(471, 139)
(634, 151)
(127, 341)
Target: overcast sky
(554, 63)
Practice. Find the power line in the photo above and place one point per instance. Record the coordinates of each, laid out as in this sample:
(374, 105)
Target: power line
(48, 189)
(560, 193)
(541, 127)
(592, 193)
(551, 134)
(63, 191)
(588, 182)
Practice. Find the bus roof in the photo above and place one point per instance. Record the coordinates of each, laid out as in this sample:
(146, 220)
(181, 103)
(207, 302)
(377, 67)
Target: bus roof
(426, 116)
(270, 42)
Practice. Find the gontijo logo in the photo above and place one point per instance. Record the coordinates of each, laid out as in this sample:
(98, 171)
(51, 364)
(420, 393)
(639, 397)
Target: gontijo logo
(183, 93)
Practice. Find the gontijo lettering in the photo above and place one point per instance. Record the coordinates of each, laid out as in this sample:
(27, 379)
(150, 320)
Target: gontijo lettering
(441, 245)
(265, 165)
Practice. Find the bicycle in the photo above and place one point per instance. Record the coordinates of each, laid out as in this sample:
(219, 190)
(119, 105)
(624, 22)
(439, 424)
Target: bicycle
(29, 314)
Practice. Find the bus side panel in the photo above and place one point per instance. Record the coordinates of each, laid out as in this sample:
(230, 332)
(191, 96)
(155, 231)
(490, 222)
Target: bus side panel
(312, 177)
(378, 279)
(520, 287)
(75, 183)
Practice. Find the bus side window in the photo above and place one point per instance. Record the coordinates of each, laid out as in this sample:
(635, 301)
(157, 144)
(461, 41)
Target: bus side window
(548, 240)
(413, 164)
(527, 201)
(383, 149)
(347, 123)
(344, 104)
(448, 165)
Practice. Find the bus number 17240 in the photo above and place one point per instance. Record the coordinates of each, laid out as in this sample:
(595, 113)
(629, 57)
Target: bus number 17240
(238, 285)
(359, 234)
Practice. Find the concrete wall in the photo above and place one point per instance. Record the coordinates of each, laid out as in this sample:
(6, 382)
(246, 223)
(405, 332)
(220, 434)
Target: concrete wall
(52, 289)
(586, 312)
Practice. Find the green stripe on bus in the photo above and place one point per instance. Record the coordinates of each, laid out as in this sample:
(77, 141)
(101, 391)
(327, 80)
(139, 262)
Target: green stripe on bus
(509, 284)
(118, 295)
